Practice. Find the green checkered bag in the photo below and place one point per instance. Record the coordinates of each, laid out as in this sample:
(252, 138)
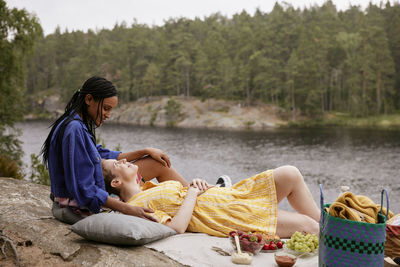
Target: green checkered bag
(349, 243)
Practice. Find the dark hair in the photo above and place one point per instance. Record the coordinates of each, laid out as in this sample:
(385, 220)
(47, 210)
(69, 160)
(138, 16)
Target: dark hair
(108, 177)
(99, 88)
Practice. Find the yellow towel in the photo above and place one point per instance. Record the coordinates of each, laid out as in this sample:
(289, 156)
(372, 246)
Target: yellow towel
(356, 208)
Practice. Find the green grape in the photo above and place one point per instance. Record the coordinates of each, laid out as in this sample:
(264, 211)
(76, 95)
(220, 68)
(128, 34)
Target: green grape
(303, 242)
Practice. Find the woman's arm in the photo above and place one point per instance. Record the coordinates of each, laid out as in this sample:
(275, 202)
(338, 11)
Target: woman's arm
(128, 209)
(155, 153)
(182, 218)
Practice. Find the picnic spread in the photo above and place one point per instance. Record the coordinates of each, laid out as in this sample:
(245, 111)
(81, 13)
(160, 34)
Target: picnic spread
(302, 249)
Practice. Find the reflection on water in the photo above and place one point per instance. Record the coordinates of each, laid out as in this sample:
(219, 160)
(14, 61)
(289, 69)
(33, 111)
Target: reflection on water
(366, 160)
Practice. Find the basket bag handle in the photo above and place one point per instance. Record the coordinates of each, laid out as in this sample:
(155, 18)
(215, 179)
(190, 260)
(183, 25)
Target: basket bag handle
(387, 203)
(321, 199)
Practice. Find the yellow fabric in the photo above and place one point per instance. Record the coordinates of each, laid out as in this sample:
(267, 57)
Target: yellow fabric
(249, 205)
(357, 208)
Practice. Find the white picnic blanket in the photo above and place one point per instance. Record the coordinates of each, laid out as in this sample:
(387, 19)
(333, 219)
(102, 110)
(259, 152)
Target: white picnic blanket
(194, 249)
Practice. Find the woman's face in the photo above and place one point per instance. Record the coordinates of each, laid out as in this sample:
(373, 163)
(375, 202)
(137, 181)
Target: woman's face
(99, 114)
(122, 169)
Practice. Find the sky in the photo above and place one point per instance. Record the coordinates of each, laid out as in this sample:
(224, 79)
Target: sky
(99, 14)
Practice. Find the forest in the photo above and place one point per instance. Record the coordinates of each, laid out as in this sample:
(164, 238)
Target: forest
(308, 61)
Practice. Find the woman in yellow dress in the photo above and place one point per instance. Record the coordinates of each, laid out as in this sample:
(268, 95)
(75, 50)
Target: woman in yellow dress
(249, 205)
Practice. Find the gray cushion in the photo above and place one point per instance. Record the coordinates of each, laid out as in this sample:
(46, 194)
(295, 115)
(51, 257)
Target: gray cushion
(120, 229)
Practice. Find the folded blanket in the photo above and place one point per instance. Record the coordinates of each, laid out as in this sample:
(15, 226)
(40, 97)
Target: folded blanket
(392, 245)
(357, 208)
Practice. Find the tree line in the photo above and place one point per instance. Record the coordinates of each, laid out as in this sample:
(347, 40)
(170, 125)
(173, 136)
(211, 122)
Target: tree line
(308, 60)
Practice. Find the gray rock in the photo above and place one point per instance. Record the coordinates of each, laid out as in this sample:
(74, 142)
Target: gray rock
(25, 209)
(194, 113)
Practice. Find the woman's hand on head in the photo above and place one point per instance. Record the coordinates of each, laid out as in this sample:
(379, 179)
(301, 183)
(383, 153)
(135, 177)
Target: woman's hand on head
(160, 156)
(201, 185)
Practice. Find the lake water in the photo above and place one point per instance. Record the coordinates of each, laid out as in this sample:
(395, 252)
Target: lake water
(365, 160)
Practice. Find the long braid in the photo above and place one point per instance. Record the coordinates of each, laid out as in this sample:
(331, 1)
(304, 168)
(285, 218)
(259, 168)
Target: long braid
(99, 88)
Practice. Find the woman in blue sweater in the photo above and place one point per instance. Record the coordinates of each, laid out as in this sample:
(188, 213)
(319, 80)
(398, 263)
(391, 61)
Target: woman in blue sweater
(74, 159)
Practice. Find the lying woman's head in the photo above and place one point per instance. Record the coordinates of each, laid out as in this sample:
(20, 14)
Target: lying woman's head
(119, 174)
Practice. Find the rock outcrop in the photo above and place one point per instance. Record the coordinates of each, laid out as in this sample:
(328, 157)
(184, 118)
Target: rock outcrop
(194, 113)
(179, 111)
(40, 240)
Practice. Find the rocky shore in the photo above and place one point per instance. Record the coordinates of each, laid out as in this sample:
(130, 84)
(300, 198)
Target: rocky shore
(191, 112)
(181, 112)
(194, 113)
(26, 225)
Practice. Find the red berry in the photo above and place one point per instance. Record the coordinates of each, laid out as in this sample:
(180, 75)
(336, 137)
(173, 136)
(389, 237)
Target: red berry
(279, 244)
(253, 246)
(259, 238)
(266, 247)
(272, 246)
(245, 236)
(271, 242)
(240, 232)
(232, 233)
(244, 243)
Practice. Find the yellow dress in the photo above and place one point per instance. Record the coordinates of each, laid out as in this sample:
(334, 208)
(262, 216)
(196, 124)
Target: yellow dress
(249, 205)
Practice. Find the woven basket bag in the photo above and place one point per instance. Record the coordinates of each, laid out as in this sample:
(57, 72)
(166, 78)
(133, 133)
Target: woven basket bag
(349, 243)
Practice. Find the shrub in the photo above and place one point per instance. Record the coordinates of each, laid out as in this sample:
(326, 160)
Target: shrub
(10, 168)
(40, 174)
(173, 111)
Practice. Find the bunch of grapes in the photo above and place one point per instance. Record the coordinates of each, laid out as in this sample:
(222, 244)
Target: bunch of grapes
(303, 242)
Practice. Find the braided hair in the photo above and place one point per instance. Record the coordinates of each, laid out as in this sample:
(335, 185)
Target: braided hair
(99, 88)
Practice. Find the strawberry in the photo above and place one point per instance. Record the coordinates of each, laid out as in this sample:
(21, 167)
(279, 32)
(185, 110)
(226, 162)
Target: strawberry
(253, 238)
(259, 238)
(253, 245)
(266, 247)
(245, 236)
(279, 244)
(273, 246)
(245, 243)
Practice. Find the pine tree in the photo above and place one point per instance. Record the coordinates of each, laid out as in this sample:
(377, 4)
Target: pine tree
(18, 31)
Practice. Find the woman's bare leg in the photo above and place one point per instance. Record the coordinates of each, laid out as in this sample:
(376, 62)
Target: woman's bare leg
(290, 222)
(290, 183)
(150, 168)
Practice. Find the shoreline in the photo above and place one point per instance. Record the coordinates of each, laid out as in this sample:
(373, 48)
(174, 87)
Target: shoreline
(307, 124)
(216, 114)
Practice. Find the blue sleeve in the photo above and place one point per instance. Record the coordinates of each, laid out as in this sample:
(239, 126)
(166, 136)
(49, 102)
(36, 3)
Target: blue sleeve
(106, 153)
(79, 169)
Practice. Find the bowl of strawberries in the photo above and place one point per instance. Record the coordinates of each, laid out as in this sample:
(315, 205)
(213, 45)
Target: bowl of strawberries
(273, 243)
(249, 242)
